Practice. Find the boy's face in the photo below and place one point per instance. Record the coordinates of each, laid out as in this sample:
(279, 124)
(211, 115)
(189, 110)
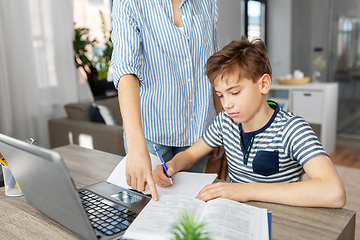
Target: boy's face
(241, 99)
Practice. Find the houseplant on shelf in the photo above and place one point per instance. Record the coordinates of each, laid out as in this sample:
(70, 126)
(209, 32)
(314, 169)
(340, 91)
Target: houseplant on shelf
(96, 68)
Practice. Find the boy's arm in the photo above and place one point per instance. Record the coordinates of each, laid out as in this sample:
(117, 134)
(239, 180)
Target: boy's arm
(181, 161)
(324, 189)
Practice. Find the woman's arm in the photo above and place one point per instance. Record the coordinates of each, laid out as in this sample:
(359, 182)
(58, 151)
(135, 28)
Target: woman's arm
(138, 166)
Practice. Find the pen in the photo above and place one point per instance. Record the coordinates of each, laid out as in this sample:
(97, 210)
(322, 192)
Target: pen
(3, 163)
(163, 163)
(2, 160)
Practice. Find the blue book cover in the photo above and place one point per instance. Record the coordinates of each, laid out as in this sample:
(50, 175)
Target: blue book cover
(269, 222)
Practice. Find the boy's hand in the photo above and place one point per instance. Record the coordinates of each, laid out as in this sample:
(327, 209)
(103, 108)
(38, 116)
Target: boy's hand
(232, 191)
(159, 175)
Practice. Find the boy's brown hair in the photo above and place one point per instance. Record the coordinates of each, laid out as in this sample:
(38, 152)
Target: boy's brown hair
(249, 58)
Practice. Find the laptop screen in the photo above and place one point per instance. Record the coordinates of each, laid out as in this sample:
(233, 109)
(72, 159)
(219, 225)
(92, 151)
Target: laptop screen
(46, 184)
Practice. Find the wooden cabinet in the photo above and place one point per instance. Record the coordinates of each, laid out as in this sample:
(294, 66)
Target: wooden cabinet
(317, 103)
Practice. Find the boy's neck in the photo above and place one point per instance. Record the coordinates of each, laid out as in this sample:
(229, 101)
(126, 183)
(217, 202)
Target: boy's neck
(259, 120)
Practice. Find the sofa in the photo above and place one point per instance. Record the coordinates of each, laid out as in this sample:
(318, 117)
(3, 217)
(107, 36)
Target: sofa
(101, 120)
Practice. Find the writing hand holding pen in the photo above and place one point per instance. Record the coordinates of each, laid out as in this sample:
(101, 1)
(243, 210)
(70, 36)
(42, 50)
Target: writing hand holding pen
(162, 174)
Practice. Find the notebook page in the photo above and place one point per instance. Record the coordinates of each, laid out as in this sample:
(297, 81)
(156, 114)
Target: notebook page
(185, 183)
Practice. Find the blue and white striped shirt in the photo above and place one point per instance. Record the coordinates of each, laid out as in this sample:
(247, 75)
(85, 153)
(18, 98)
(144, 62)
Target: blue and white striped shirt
(176, 96)
(279, 149)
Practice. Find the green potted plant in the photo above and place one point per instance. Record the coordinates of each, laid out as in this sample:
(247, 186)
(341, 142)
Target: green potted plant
(81, 44)
(102, 62)
(189, 229)
(97, 68)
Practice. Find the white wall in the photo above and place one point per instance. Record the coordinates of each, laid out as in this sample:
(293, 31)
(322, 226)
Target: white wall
(310, 29)
(230, 22)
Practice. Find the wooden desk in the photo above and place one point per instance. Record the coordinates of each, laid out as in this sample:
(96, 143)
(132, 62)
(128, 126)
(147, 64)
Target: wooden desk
(20, 220)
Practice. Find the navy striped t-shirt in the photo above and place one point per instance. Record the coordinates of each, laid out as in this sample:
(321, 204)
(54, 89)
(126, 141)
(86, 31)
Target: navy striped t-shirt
(278, 150)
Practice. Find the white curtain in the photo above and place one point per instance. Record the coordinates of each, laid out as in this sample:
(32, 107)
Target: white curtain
(37, 71)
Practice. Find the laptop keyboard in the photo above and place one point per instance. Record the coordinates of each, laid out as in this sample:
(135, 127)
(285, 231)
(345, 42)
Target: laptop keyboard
(104, 217)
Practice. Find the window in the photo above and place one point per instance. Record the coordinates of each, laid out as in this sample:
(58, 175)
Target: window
(255, 19)
(94, 15)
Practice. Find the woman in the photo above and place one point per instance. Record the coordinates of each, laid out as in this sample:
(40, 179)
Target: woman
(160, 49)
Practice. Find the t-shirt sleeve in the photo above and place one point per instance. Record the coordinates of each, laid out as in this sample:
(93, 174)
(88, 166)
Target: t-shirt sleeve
(213, 135)
(301, 141)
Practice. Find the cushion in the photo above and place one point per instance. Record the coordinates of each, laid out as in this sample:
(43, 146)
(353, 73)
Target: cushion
(78, 111)
(113, 105)
(102, 114)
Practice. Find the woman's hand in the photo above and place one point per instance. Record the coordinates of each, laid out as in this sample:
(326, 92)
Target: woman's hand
(138, 174)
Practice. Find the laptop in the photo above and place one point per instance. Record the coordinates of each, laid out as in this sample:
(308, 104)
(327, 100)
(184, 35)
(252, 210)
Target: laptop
(98, 211)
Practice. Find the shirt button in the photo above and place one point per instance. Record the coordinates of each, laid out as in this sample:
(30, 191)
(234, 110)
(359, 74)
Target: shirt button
(187, 37)
(191, 119)
(190, 101)
(187, 59)
(189, 80)
(183, 17)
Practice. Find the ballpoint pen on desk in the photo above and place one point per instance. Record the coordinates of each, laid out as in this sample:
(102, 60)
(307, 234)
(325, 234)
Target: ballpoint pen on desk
(163, 163)
(2, 160)
(3, 163)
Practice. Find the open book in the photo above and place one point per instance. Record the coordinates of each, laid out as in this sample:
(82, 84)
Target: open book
(185, 183)
(224, 219)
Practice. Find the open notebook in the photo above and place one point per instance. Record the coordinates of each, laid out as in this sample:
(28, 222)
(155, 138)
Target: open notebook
(187, 184)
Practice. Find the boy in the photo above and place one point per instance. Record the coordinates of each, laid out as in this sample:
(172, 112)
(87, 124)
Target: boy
(267, 149)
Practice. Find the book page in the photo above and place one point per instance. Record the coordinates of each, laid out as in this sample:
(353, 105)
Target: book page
(155, 221)
(226, 219)
(185, 183)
